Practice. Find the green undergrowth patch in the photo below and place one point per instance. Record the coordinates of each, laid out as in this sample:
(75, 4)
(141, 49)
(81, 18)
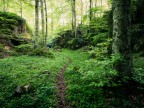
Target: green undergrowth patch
(40, 72)
(85, 79)
(138, 63)
(93, 83)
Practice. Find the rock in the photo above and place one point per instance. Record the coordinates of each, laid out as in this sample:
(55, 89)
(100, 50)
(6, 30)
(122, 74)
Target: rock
(20, 90)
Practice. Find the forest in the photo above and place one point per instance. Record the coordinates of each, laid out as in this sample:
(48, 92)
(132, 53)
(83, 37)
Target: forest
(71, 53)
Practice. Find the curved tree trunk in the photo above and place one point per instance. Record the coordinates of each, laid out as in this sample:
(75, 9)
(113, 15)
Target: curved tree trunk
(122, 35)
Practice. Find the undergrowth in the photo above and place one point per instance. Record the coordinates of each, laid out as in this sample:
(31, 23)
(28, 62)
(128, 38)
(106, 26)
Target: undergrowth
(40, 72)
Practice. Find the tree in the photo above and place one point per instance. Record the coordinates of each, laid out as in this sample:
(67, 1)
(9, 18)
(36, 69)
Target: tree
(42, 20)
(46, 22)
(90, 11)
(36, 23)
(122, 35)
(73, 4)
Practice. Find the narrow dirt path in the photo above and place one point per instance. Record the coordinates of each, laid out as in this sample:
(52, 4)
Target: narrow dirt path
(61, 87)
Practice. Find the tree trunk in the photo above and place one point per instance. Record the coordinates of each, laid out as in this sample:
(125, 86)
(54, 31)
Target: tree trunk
(74, 16)
(90, 10)
(46, 22)
(90, 15)
(42, 21)
(36, 23)
(122, 35)
(21, 8)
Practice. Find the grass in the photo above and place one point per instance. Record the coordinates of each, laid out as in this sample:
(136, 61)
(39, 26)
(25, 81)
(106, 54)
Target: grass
(24, 70)
(84, 78)
(87, 78)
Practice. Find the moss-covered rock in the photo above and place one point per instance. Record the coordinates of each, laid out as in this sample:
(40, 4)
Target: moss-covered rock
(13, 29)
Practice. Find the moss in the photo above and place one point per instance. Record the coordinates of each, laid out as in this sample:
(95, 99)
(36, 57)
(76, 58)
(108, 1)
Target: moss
(13, 16)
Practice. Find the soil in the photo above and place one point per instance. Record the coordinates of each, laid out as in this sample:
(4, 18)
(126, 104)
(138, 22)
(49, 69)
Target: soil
(61, 88)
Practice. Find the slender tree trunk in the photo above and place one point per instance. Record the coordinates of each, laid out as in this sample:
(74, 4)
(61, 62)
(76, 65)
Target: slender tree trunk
(36, 23)
(21, 8)
(90, 11)
(90, 15)
(72, 7)
(122, 35)
(74, 16)
(46, 22)
(42, 21)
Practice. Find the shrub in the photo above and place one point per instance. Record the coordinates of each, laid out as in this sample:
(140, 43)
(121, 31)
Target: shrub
(101, 51)
(99, 38)
(42, 52)
(24, 48)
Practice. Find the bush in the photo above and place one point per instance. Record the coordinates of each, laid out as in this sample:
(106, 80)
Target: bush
(101, 51)
(42, 52)
(24, 48)
(99, 38)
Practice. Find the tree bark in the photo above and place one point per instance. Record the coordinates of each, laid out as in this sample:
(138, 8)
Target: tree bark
(90, 11)
(36, 23)
(46, 22)
(122, 35)
(74, 16)
(42, 21)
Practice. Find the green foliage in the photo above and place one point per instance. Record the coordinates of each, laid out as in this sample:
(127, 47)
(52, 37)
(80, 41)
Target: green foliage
(86, 79)
(12, 16)
(25, 70)
(24, 48)
(101, 51)
(42, 52)
(99, 38)
(138, 74)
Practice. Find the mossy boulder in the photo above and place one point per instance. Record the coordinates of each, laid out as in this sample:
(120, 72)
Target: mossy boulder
(13, 30)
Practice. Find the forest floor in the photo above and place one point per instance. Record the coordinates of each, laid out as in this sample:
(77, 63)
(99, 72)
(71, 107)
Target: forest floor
(62, 82)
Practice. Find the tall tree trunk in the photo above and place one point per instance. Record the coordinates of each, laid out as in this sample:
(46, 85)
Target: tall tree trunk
(42, 21)
(21, 8)
(122, 35)
(90, 15)
(36, 22)
(46, 22)
(90, 10)
(74, 16)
